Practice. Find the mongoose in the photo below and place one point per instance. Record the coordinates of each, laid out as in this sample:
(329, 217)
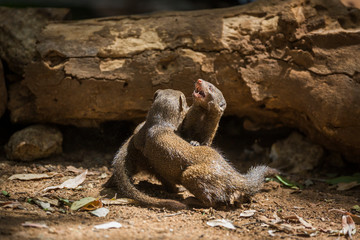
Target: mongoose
(129, 160)
(202, 120)
(208, 106)
(200, 169)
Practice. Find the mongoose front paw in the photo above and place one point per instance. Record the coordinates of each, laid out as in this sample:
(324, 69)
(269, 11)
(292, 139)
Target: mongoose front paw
(194, 143)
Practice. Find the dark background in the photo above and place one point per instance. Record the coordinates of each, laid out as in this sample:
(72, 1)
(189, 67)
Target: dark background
(81, 9)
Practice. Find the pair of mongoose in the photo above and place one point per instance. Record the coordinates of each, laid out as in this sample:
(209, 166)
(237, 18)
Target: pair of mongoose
(156, 147)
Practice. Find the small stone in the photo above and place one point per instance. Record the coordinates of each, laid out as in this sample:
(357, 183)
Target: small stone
(34, 142)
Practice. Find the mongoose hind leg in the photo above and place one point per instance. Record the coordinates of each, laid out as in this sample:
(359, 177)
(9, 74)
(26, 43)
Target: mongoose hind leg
(195, 179)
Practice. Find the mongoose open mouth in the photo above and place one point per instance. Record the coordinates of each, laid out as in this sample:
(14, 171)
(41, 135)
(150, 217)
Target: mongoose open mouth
(199, 92)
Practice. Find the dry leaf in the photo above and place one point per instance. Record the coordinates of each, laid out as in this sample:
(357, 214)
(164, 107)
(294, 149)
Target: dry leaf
(70, 183)
(305, 223)
(92, 205)
(29, 176)
(11, 204)
(44, 205)
(81, 203)
(74, 169)
(248, 213)
(221, 222)
(346, 186)
(108, 225)
(35, 225)
(100, 212)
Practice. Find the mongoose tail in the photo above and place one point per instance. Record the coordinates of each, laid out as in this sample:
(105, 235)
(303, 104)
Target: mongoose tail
(255, 178)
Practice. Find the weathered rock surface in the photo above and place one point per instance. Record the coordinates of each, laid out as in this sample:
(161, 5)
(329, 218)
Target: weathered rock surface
(295, 154)
(34, 142)
(18, 30)
(291, 62)
(3, 91)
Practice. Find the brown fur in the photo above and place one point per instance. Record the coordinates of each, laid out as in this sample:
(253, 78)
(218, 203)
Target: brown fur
(200, 169)
(202, 120)
(129, 160)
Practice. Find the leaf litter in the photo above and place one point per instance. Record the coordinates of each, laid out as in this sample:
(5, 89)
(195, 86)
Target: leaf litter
(70, 183)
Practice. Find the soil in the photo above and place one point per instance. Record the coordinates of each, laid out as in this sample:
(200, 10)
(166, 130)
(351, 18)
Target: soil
(93, 150)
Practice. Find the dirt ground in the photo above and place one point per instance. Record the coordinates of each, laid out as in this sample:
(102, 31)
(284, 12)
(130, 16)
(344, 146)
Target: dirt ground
(93, 152)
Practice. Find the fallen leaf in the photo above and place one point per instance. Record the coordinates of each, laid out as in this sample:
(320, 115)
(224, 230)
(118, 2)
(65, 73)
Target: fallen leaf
(70, 183)
(248, 213)
(222, 223)
(356, 208)
(35, 225)
(88, 203)
(343, 186)
(108, 225)
(344, 179)
(52, 201)
(348, 226)
(44, 205)
(100, 212)
(119, 201)
(92, 205)
(304, 223)
(11, 204)
(272, 233)
(5, 193)
(73, 169)
(29, 176)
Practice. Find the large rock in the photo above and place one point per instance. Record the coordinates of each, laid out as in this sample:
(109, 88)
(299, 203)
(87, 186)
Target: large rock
(3, 91)
(291, 63)
(34, 142)
(295, 154)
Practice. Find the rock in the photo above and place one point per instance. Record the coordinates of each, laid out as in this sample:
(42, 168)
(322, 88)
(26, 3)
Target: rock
(3, 92)
(295, 154)
(34, 142)
(278, 63)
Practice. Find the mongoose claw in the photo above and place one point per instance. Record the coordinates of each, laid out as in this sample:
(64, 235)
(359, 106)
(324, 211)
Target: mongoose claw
(194, 143)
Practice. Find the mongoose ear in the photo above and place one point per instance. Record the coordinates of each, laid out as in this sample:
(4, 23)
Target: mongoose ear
(156, 93)
(182, 104)
(181, 107)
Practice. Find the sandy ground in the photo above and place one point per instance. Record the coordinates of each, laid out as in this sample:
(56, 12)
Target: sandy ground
(312, 204)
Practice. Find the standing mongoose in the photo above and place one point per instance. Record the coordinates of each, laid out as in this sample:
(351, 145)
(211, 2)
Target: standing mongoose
(129, 160)
(200, 169)
(202, 120)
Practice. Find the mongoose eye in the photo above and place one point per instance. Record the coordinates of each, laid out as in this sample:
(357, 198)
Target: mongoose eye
(211, 88)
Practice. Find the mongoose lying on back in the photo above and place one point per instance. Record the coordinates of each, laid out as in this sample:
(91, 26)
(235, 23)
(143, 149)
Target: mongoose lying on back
(202, 120)
(200, 169)
(129, 160)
